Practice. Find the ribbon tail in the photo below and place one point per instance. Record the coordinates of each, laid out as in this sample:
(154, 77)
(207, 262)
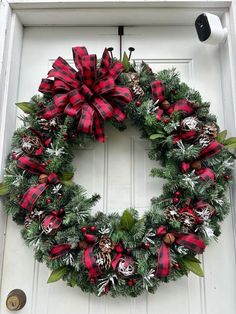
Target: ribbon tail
(86, 119)
(115, 260)
(206, 174)
(31, 196)
(192, 242)
(163, 261)
(99, 129)
(90, 263)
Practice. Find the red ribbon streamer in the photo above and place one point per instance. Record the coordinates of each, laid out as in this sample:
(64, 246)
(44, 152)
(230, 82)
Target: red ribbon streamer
(89, 94)
(33, 193)
(59, 250)
(30, 165)
(89, 258)
(204, 173)
(189, 241)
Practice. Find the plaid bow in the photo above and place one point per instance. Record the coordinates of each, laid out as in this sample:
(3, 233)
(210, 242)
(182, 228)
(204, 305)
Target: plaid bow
(89, 258)
(189, 241)
(33, 193)
(89, 94)
(30, 165)
(182, 106)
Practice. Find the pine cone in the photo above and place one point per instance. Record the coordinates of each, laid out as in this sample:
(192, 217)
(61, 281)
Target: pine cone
(103, 260)
(204, 140)
(190, 123)
(137, 91)
(210, 130)
(105, 244)
(171, 213)
(187, 220)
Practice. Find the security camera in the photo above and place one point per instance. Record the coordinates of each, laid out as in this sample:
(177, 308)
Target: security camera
(209, 29)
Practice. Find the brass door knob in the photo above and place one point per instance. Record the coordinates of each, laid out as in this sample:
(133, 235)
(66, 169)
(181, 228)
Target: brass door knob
(16, 300)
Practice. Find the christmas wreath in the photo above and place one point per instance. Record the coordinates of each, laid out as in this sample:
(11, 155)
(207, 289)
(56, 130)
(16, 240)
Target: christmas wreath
(108, 253)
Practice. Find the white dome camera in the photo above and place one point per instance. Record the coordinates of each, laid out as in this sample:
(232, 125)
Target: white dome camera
(210, 29)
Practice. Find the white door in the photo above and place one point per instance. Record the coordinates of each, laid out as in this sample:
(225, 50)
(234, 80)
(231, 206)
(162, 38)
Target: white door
(119, 171)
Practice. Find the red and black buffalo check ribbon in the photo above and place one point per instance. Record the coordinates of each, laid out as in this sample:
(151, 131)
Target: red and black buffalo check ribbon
(35, 167)
(189, 241)
(90, 94)
(89, 258)
(33, 193)
(59, 250)
(158, 94)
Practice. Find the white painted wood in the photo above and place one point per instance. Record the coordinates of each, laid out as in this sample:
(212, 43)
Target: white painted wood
(9, 84)
(192, 59)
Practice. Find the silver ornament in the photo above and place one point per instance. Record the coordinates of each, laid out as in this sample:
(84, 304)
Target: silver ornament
(190, 124)
(126, 266)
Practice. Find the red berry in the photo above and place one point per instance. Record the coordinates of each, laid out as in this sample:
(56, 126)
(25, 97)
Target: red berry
(166, 121)
(19, 196)
(176, 266)
(93, 228)
(83, 229)
(138, 103)
(177, 193)
(44, 164)
(175, 200)
(174, 91)
(49, 161)
(147, 245)
(14, 156)
(65, 136)
(49, 200)
(134, 281)
(74, 136)
(118, 248)
(226, 177)
(92, 280)
(60, 211)
(130, 282)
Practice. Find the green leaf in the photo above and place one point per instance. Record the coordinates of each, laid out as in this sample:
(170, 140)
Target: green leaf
(192, 258)
(25, 106)
(156, 136)
(66, 176)
(57, 274)
(231, 146)
(67, 182)
(3, 189)
(127, 220)
(231, 140)
(221, 136)
(125, 62)
(193, 265)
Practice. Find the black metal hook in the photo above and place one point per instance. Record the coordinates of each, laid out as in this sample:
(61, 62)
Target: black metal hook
(131, 49)
(110, 49)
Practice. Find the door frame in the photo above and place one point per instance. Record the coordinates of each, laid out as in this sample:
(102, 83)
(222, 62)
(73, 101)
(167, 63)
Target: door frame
(17, 14)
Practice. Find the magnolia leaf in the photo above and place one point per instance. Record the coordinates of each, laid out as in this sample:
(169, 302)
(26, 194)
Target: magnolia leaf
(193, 266)
(231, 146)
(192, 258)
(57, 274)
(66, 176)
(155, 136)
(127, 220)
(25, 106)
(230, 140)
(125, 62)
(221, 136)
(67, 182)
(3, 189)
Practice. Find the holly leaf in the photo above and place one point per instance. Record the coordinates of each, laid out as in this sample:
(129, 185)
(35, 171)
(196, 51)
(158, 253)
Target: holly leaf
(3, 189)
(125, 62)
(25, 106)
(221, 136)
(156, 136)
(193, 265)
(57, 274)
(66, 176)
(127, 220)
